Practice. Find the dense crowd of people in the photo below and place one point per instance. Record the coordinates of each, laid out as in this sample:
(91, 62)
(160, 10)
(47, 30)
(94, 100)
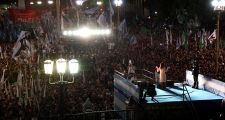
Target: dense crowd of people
(25, 92)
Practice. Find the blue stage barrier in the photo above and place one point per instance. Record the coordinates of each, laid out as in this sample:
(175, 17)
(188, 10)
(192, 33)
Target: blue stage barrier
(126, 87)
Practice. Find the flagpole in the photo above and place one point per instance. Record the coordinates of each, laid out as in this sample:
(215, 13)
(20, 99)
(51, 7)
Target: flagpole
(58, 17)
(219, 7)
(118, 4)
(217, 42)
(118, 15)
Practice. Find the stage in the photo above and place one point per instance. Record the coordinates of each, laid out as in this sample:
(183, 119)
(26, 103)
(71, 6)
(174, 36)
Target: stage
(174, 102)
(175, 94)
(171, 104)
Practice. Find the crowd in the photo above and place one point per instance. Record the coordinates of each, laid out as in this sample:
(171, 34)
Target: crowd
(25, 93)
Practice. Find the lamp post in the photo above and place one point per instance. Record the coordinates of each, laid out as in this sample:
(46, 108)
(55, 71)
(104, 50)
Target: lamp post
(58, 17)
(79, 3)
(118, 3)
(219, 7)
(99, 2)
(62, 67)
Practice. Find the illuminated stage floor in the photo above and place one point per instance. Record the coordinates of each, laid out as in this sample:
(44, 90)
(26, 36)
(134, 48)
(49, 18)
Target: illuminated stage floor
(175, 94)
(201, 105)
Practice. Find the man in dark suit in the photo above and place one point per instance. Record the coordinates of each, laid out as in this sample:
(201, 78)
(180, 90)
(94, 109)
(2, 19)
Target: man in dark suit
(195, 72)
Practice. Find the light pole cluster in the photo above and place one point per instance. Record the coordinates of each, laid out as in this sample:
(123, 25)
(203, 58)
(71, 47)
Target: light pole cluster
(62, 66)
(219, 7)
(39, 2)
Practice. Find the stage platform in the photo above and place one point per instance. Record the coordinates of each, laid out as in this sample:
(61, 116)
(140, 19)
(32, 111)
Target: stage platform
(175, 94)
(172, 103)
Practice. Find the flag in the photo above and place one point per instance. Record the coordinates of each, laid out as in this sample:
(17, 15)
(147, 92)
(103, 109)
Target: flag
(1, 53)
(26, 90)
(31, 87)
(91, 11)
(185, 39)
(17, 91)
(178, 43)
(203, 38)
(16, 49)
(66, 21)
(73, 3)
(133, 40)
(171, 37)
(122, 28)
(3, 76)
(22, 35)
(18, 44)
(167, 37)
(212, 37)
(84, 79)
(10, 91)
(44, 93)
(6, 90)
(19, 78)
(102, 20)
(108, 12)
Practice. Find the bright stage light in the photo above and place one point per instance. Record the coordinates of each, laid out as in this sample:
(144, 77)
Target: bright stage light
(79, 2)
(31, 3)
(39, 2)
(50, 2)
(99, 2)
(86, 32)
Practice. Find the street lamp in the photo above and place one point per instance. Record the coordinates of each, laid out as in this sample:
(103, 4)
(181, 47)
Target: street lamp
(62, 66)
(79, 3)
(39, 2)
(118, 3)
(50, 2)
(219, 7)
(99, 2)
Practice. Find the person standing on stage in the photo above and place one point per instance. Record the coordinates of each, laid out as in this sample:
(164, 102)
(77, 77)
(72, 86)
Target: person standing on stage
(195, 72)
(131, 70)
(162, 74)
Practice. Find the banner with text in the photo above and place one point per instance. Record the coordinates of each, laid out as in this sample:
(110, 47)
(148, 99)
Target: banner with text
(24, 15)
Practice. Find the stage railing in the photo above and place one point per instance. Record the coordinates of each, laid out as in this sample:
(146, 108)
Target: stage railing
(139, 73)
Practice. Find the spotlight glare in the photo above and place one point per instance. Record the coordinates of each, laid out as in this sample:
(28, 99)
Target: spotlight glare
(50, 2)
(39, 2)
(79, 2)
(86, 32)
(215, 3)
(65, 33)
(99, 3)
(70, 32)
(31, 3)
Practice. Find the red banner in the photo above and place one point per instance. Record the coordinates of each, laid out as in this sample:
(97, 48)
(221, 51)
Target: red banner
(24, 15)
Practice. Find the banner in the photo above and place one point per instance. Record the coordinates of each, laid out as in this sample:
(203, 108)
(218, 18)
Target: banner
(23, 15)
